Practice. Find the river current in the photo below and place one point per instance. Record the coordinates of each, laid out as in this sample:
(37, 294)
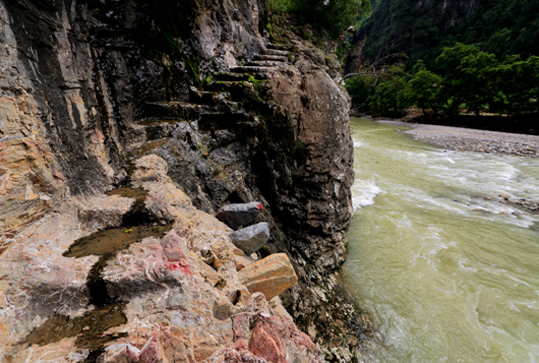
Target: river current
(447, 269)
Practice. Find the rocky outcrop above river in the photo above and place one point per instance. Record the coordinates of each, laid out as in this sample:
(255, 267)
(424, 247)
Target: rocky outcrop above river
(180, 108)
(171, 303)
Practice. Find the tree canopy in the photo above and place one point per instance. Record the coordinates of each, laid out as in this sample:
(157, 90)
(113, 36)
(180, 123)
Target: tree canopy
(332, 16)
(470, 79)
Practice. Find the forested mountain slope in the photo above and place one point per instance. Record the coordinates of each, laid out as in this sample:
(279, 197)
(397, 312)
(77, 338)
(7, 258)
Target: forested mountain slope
(421, 28)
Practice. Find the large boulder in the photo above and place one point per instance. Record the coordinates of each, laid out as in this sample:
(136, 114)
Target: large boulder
(250, 239)
(239, 215)
(270, 276)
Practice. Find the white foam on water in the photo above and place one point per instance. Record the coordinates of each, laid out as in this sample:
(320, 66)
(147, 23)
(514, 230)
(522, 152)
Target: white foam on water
(480, 175)
(363, 193)
(357, 144)
(462, 263)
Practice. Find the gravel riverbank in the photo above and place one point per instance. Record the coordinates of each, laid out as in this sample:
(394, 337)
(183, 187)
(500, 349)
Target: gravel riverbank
(457, 138)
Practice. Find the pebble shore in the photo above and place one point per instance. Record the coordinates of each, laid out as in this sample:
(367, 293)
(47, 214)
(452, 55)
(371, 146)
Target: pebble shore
(457, 138)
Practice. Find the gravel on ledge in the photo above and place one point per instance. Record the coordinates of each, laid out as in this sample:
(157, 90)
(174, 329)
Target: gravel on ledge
(458, 138)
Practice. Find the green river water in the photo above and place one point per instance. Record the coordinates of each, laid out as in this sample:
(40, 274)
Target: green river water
(447, 274)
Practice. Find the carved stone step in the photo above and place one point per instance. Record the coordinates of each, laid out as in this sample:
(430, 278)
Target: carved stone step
(237, 77)
(265, 63)
(173, 111)
(231, 77)
(282, 53)
(146, 148)
(159, 129)
(202, 97)
(276, 47)
(266, 57)
(251, 69)
(226, 85)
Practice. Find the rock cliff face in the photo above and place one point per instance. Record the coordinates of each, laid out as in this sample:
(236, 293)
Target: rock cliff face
(181, 108)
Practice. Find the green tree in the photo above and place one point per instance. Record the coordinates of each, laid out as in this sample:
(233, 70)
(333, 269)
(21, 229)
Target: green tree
(361, 89)
(513, 81)
(425, 89)
(469, 77)
(390, 99)
(380, 94)
(533, 68)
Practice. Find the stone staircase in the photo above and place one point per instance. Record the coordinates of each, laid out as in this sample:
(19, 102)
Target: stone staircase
(273, 56)
(214, 105)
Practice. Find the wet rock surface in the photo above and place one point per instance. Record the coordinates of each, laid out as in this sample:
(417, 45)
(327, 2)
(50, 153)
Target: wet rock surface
(526, 204)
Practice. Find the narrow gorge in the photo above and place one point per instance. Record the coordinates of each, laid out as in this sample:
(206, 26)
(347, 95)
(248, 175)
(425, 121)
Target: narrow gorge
(126, 126)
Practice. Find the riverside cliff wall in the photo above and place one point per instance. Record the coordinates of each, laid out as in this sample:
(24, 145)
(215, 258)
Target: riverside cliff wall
(186, 104)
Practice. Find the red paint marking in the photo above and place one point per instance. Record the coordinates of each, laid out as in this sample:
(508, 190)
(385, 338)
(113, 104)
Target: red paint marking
(260, 206)
(179, 265)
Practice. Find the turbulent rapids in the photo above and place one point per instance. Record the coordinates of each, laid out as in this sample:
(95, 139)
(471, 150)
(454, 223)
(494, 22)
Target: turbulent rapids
(443, 252)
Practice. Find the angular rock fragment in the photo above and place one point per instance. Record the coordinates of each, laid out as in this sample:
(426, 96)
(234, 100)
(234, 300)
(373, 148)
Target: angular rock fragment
(229, 355)
(270, 276)
(268, 339)
(250, 239)
(103, 211)
(239, 215)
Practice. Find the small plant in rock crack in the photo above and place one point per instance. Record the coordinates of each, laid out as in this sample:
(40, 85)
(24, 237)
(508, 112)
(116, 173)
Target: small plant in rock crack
(256, 83)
